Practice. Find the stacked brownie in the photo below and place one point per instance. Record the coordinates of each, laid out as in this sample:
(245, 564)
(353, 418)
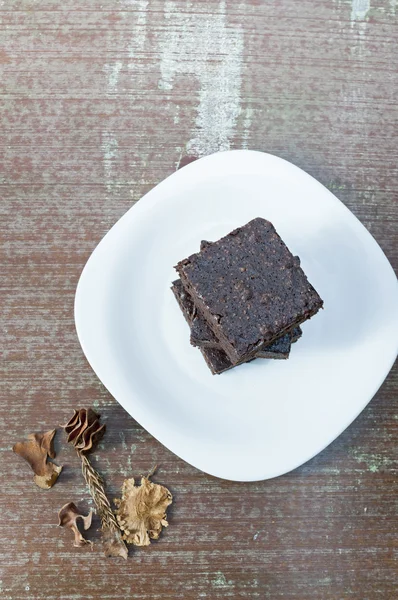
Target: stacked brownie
(244, 297)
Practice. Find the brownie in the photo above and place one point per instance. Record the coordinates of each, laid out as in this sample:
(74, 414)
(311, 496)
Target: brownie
(249, 288)
(217, 361)
(204, 244)
(202, 335)
(214, 356)
(278, 348)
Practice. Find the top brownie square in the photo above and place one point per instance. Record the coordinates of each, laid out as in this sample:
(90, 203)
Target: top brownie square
(249, 287)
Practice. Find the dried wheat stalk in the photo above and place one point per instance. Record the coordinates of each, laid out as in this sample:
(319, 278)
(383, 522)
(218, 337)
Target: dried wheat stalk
(84, 431)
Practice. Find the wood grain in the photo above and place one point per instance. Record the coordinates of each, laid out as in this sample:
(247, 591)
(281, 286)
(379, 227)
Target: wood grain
(99, 102)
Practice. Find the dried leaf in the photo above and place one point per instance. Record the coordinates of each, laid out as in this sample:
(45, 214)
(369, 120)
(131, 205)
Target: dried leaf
(46, 441)
(84, 430)
(47, 480)
(68, 516)
(35, 451)
(141, 512)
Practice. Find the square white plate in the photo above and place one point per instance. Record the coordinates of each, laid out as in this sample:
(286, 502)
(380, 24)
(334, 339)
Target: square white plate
(265, 418)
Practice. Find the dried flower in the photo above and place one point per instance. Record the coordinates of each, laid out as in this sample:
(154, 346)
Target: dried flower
(141, 512)
(84, 431)
(35, 451)
(68, 516)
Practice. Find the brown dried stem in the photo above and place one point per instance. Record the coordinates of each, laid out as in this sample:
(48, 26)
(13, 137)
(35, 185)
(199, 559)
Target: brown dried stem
(113, 542)
(84, 432)
(96, 486)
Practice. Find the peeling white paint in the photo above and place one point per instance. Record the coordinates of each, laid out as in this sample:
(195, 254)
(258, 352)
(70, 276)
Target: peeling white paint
(220, 581)
(246, 126)
(139, 33)
(136, 44)
(393, 6)
(112, 71)
(109, 152)
(176, 117)
(123, 440)
(359, 9)
(203, 46)
(109, 142)
(373, 462)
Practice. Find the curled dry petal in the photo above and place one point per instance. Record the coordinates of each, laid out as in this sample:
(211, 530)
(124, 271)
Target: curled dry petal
(141, 512)
(68, 516)
(35, 451)
(84, 430)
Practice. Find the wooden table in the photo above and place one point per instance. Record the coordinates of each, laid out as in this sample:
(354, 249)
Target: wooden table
(100, 101)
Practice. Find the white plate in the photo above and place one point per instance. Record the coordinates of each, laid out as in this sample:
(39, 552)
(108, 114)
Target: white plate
(265, 418)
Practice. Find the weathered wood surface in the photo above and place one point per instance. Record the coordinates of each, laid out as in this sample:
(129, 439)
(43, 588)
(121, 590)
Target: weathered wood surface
(100, 100)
